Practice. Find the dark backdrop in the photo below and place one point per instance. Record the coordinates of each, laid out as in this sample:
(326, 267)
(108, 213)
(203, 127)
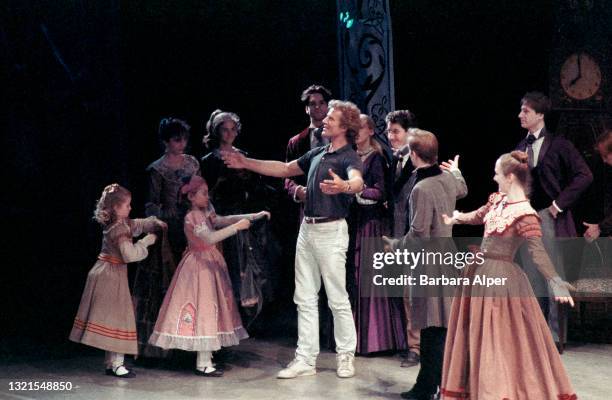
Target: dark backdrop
(86, 83)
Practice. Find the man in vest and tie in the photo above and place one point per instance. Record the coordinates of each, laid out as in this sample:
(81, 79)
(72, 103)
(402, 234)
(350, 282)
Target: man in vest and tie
(559, 176)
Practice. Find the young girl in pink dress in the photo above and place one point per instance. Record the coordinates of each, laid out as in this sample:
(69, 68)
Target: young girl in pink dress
(199, 312)
(105, 318)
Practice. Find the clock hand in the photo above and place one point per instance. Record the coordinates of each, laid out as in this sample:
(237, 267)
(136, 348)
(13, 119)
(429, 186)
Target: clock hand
(579, 73)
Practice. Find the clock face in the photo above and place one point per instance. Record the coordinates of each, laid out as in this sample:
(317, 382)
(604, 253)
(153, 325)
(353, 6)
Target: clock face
(580, 76)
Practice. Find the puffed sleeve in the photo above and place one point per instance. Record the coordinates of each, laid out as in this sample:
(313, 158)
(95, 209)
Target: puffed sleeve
(203, 231)
(528, 227)
(130, 252)
(195, 165)
(119, 232)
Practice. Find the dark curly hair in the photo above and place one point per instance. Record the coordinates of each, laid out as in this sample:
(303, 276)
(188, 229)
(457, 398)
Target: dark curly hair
(404, 118)
(312, 89)
(170, 128)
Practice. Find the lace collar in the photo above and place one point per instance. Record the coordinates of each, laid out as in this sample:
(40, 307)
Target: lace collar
(502, 214)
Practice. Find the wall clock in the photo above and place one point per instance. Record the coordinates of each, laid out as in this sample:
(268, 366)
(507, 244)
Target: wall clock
(580, 76)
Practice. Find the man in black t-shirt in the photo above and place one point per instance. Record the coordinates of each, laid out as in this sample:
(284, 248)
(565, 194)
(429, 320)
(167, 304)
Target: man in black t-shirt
(333, 177)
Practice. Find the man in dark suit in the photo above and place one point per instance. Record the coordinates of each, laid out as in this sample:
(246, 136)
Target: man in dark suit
(559, 176)
(399, 123)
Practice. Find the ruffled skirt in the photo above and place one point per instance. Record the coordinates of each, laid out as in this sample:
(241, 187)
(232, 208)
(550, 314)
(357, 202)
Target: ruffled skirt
(199, 312)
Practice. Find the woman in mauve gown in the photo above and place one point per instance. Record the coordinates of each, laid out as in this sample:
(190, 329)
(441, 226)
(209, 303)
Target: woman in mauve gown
(498, 344)
(378, 319)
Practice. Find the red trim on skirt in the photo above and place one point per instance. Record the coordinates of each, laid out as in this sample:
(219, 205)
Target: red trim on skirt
(462, 394)
(104, 331)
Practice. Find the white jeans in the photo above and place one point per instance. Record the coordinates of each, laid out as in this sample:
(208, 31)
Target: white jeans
(321, 252)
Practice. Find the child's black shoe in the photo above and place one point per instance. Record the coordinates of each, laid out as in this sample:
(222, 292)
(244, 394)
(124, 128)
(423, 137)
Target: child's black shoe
(113, 372)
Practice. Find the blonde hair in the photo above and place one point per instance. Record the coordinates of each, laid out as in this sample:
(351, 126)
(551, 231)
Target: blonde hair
(516, 163)
(371, 126)
(112, 195)
(350, 118)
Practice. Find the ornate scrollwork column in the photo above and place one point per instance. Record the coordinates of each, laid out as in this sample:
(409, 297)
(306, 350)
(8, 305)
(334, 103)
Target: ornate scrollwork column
(365, 50)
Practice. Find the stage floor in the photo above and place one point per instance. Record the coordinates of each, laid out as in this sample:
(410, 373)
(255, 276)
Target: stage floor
(254, 365)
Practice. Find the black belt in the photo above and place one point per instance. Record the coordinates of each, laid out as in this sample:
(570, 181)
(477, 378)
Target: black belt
(320, 220)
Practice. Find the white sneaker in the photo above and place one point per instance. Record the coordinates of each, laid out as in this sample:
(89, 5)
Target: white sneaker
(346, 365)
(296, 368)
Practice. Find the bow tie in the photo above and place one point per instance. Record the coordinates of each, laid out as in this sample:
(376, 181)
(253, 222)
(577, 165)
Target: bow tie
(530, 139)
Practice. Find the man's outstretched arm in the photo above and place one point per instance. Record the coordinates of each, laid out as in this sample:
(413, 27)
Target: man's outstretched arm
(273, 168)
